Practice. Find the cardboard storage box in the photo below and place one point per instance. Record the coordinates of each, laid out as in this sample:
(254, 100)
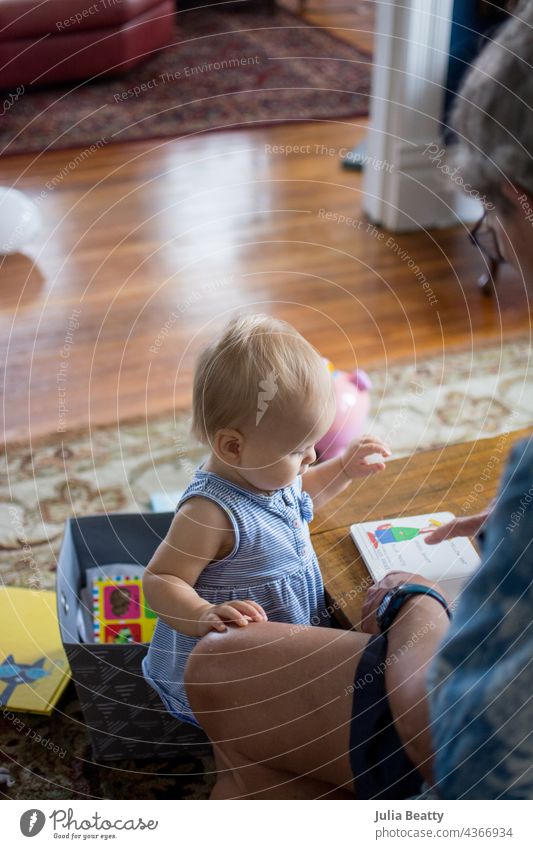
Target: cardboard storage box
(125, 717)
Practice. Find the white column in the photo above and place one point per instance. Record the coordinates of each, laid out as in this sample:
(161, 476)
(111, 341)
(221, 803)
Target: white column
(403, 189)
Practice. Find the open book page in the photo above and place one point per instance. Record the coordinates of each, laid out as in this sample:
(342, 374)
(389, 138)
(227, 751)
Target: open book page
(397, 544)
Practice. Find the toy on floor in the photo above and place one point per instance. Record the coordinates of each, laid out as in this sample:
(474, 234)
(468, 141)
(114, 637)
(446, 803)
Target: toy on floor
(20, 220)
(5, 777)
(352, 390)
(120, 612)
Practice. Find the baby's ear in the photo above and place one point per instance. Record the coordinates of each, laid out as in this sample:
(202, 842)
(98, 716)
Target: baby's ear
(228, 445)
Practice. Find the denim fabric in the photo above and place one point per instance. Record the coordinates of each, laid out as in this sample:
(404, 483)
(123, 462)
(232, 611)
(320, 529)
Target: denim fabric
(481, 682)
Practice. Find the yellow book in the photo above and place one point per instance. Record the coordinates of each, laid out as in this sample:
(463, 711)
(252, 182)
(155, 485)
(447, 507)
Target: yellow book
(34, 669)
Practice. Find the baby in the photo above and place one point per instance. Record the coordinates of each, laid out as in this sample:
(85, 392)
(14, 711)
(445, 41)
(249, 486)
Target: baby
(239, 549)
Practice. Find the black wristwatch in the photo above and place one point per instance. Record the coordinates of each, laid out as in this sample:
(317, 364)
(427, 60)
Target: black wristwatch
(394, 600)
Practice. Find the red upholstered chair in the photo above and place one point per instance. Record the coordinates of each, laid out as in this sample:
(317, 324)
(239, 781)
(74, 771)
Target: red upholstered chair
(50, 41)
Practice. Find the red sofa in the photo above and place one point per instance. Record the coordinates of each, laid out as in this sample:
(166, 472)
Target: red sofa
(50, 41)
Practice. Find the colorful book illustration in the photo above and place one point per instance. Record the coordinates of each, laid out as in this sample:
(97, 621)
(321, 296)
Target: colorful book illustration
(397, 544)
(34, 669)
(120, 612)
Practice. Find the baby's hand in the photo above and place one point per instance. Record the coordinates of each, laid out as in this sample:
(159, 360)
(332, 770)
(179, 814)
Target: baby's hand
(353, 460)
(214, 616)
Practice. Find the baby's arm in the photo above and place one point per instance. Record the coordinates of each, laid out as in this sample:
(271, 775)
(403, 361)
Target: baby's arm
(200, 533)
(325, 481)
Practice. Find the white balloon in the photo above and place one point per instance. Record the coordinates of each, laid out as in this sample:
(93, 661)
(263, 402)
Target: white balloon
(19, 220)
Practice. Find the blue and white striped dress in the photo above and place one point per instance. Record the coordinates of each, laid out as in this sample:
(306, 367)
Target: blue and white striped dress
(272, 563)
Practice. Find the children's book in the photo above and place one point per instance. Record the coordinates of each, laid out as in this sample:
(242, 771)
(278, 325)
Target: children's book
(391, 545)
(34, 669)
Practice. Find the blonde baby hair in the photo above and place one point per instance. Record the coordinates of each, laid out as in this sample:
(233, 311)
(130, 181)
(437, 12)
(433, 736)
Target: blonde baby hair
(257, 364)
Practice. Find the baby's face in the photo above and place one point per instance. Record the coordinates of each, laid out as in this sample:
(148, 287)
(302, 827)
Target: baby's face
(274, 456)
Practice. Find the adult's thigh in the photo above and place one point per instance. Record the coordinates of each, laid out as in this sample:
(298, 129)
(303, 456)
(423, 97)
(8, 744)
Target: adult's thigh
(278, 695)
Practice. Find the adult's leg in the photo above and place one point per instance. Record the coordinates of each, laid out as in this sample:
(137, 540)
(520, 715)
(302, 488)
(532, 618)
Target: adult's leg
(276, 701)
(413, 641)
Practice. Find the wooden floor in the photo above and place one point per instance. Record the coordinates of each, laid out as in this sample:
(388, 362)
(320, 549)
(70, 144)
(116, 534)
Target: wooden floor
(147, 248)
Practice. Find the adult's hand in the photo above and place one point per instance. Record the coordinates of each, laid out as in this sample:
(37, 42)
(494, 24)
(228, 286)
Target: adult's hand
(374, 596)
(465, 526)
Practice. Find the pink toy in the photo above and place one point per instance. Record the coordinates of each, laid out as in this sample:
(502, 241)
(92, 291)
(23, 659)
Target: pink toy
(352, 390)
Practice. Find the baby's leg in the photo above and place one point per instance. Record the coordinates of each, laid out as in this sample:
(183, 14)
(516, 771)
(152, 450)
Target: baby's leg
(277, 704)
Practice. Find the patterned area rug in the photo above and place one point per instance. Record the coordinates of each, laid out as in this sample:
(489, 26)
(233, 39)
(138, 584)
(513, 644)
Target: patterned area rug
(31, 770)
(414, 407)
(225, 68)
(443, 400)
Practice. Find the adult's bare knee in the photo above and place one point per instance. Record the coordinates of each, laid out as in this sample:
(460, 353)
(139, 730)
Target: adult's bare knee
(202, 664)
(213, 667)
(227, 675)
